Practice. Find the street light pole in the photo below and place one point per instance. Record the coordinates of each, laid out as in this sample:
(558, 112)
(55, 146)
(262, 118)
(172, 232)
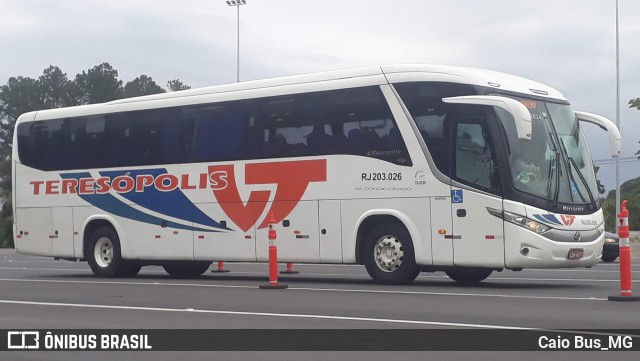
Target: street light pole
(237, 3)
(617, 112)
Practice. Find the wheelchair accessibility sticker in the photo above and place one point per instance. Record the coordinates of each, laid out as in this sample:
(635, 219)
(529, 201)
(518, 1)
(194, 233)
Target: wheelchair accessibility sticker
(456, 196)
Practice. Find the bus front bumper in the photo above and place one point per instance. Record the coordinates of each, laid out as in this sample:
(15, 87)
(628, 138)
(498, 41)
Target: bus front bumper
(525, 249)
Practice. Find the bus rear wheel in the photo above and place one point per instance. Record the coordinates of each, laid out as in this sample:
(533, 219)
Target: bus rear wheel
(104, 254)
(389, 256)
(186, 269)
(468, 275)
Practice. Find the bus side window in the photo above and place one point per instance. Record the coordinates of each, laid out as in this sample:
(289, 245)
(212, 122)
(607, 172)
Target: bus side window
(55, 150)
(32, 137)
(170, 142)
(279, 127)
(77, 143)
(95, 142)
(366, 125)
(118, 133)
(187, 136)
(433, 117)
(26, 148)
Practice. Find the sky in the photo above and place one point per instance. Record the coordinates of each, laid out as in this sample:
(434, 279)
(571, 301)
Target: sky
(567, 44)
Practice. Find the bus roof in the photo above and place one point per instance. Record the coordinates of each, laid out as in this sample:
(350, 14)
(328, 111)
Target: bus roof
(374, 75)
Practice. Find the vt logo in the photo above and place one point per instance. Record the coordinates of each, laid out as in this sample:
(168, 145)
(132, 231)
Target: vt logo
(567, 220)
(291, 180)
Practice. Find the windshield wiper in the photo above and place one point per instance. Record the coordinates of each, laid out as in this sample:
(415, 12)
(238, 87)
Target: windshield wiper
(556, 167)
(582, 179)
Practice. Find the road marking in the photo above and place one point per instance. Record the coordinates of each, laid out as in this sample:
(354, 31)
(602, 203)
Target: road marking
(342, 290)
(341, 275)
(451, 294)
(270, 314)
(126, 283)
(304, 316)
(43, 269)
(553, 279)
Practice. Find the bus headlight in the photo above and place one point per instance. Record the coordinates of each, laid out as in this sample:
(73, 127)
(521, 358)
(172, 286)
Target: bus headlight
(519, 220)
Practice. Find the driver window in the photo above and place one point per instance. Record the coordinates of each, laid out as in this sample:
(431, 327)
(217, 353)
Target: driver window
(474, 158)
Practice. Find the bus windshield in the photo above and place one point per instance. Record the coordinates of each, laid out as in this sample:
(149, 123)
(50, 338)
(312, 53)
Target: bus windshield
(555, 164)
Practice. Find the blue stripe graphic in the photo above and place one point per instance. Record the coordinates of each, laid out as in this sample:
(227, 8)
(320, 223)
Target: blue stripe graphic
(110, 204)
(548, 218)
(173, 204)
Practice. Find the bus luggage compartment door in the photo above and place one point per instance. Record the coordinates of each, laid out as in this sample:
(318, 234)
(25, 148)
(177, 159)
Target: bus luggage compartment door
(34, 231)
(63, 237)
(297, 233)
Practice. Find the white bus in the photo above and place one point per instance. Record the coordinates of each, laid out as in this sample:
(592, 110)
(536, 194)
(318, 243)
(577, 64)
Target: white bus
(403, 169)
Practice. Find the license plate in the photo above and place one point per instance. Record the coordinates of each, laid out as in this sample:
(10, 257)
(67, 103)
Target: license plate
(575, 253)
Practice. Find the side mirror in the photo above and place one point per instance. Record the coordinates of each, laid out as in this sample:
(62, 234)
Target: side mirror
(520, 113)
(612, 130)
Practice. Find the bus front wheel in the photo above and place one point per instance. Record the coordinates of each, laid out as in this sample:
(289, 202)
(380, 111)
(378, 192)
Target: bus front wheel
(104, 255)
(468, 275)
(389, 256)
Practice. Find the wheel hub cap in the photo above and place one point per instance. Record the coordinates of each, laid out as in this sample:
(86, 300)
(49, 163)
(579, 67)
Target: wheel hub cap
(389, 253)
(103, 252)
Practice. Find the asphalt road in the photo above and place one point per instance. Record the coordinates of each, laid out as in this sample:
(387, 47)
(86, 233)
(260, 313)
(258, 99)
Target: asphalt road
(41, 293)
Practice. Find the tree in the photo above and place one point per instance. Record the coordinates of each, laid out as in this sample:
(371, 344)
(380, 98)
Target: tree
(142, 85)
(18, 96)
(629, 190)
(56, 90)
(6, 223)
(177, 85)
(99, 84)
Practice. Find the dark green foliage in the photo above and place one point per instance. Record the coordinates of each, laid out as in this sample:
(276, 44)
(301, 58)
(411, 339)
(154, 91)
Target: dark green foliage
(629, 190)
(177, 85)
(19, 95)
(56, 90)
(142, 85)
(6, 224)
(99, 84)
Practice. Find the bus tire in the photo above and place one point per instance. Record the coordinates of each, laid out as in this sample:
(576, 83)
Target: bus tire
(104, 256)
(186, 269)
(468, 275)
(389, 256)
(608, 258)
(129, 269)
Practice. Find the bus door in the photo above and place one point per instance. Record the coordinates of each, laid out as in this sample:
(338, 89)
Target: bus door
(441, 231)
(478, 236)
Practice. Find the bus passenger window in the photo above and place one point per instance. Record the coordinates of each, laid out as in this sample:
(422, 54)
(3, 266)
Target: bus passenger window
(367, 125)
